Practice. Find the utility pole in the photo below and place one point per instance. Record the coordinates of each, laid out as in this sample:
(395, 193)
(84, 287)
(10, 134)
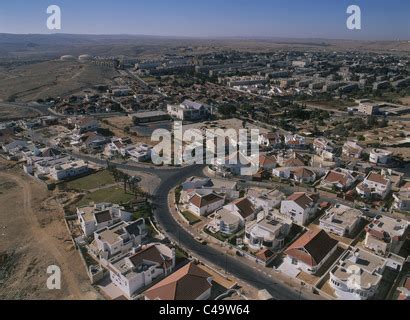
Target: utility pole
(226, 262)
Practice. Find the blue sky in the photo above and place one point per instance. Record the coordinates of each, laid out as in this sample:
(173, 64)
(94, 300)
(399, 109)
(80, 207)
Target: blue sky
(213, 18)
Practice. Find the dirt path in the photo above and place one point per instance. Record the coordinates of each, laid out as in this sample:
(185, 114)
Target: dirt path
(39, 236)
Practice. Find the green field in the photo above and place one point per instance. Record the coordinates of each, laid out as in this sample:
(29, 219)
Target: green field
(92, 181)
(112, 195)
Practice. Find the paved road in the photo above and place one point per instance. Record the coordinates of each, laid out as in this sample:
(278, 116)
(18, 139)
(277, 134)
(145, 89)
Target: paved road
(233, 266)
(171, 177)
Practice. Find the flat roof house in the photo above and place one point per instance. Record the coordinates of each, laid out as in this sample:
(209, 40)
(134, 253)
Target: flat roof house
(99, 216)
(385, 235)
(341, 220)
(69, 169)
(226, 222)
(268, 233)
(189, 111)
(138, 270)
(402, 200)
(311, 251)
(357, 275)
(118, 239)
(188, 283)
(265, 199)
(352, 150)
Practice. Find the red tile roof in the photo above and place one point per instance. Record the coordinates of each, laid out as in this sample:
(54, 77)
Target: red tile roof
(203, 201)
(188, 283)
(312, 247)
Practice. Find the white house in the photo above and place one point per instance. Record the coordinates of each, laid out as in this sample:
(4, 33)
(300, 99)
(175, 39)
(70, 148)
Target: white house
(119, 238)
(69, 170)
(357, 275)
(321, 144)
(189, 111)
(138, 270)
(379, 156)
(243, 208)
(341, 220)
(311, 251)
(352, 150)
(99, 216)
(226, 222)
(265, 199)
(385, 235)
(402, 200)
(374, 185)
(85, 124)
(202, 205)
(340, 179)
(268, 233)
(299, 207)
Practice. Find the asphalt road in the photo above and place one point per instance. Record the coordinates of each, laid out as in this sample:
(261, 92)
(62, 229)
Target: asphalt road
(170, 178)
(234, 266)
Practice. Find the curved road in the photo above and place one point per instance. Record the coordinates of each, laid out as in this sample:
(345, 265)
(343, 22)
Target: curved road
(170, 178)
(232, 265)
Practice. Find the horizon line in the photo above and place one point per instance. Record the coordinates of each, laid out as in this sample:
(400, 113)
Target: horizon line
(235, 37)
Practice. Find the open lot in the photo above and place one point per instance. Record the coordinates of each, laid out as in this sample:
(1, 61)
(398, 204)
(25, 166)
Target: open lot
(93, 181)
(34, 237)
(50, 79)
(113, 195)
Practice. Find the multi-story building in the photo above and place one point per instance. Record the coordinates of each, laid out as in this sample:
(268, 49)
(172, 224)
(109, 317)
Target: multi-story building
(374, 185)
(69, 170)
(118, 239)
(202, 205)
(352, 150)
(268, 233)
(189, 111)
(379, 156)
(99, 216)
(299, 207)
(386, 235)
(358, 275)
(139, 269)
(341, 220)
(311, 251)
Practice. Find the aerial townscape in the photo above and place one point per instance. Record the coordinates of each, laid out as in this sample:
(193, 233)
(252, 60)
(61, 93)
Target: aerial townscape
(325, 215)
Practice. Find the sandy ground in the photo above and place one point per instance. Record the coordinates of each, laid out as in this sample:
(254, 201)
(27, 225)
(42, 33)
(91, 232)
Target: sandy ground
(51, 79)
(33, 236)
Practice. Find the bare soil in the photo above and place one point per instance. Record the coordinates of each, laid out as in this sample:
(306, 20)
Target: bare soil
(33, 236)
